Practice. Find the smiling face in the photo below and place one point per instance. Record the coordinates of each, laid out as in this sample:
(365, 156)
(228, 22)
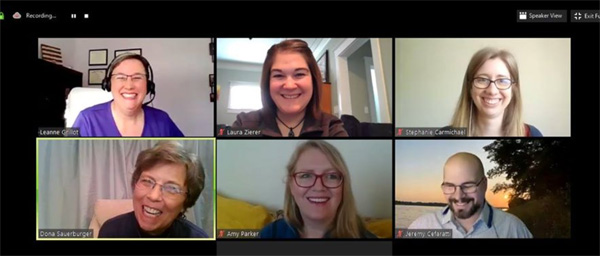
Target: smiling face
(317, 203)
(290, 83)
(492, 102)
(154, 209)
(129, 92)
(463, 169)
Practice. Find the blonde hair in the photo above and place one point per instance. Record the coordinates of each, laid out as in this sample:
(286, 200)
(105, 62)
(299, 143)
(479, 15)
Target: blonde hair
(347, 222)
(466, 115)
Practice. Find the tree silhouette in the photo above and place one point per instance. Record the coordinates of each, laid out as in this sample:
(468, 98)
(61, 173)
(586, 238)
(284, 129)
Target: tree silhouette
(538, 172)
(535, 168)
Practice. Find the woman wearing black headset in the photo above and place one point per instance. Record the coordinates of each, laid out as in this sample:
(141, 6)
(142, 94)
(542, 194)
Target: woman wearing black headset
(129, 78)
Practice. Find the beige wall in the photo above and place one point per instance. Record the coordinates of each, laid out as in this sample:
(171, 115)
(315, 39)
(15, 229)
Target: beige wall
(387, 57)
(429, 74)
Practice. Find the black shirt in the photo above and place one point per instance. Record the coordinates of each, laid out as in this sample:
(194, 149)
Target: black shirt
(126, 226)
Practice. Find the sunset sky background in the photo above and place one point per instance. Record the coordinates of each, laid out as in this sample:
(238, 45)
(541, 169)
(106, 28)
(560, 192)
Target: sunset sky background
(419, 169)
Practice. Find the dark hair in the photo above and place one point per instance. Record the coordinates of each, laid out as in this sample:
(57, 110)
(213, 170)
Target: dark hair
(150, 86)
(128, 56)
(296, 46)
(173, 152)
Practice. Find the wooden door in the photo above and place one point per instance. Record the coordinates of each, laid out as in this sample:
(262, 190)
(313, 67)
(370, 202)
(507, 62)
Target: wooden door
(325, 103)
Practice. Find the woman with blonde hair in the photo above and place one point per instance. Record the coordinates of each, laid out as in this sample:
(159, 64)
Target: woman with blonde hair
(487, 110)
(318, 197)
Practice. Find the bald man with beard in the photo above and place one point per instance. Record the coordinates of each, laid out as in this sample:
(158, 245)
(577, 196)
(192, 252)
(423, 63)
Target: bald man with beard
(468, 214)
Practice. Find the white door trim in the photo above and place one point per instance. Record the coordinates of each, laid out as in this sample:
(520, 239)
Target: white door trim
(371, 89)
(384, 115)
(346, 48)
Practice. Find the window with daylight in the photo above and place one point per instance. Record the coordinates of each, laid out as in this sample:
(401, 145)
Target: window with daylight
(244, 96)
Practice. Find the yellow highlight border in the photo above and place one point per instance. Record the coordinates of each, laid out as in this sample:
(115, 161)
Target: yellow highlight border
(37, 188)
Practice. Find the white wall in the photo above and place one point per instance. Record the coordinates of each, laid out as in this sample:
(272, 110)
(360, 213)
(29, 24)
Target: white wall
(254, 171)
(429, 75)
(379, 48)
(224, 77)
(181, 68)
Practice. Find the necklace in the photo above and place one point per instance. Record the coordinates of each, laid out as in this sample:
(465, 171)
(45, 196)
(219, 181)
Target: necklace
(291, 133)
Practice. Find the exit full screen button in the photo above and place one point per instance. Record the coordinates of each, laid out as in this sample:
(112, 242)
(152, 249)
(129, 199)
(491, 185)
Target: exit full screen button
(585, 16)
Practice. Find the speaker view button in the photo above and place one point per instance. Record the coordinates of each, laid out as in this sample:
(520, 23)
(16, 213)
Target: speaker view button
(542, 15)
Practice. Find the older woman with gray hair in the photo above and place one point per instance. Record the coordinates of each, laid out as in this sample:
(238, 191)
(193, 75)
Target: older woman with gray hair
(166, 182)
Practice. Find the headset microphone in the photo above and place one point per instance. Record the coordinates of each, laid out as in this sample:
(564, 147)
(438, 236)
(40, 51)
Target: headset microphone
(151, 99)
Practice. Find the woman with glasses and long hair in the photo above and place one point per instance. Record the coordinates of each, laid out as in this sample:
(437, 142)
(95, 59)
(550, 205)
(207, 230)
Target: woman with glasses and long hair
(318, 197)
(490, 102)
(166, 182)
(129, 79)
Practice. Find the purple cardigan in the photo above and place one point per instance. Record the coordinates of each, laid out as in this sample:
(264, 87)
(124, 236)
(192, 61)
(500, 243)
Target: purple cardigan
(97, 121)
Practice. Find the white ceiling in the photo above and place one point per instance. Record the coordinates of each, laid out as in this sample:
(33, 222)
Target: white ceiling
(254, 50)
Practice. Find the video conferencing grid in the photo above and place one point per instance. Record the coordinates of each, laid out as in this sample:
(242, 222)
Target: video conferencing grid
(212, 141)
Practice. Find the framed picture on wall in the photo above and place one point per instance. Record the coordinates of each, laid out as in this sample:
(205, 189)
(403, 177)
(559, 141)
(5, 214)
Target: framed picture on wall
(98, 57)
(211, 80)
(95, 76)
(211, 49)
(323, 66)
(135, 50)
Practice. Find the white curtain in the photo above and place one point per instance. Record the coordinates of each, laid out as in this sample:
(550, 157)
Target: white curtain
(73, 174)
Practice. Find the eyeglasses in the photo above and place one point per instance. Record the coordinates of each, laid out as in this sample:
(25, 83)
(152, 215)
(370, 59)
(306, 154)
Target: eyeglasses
(467, 187)
(136, 78)
(329, 180)
(168, 190)
(501, 84)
